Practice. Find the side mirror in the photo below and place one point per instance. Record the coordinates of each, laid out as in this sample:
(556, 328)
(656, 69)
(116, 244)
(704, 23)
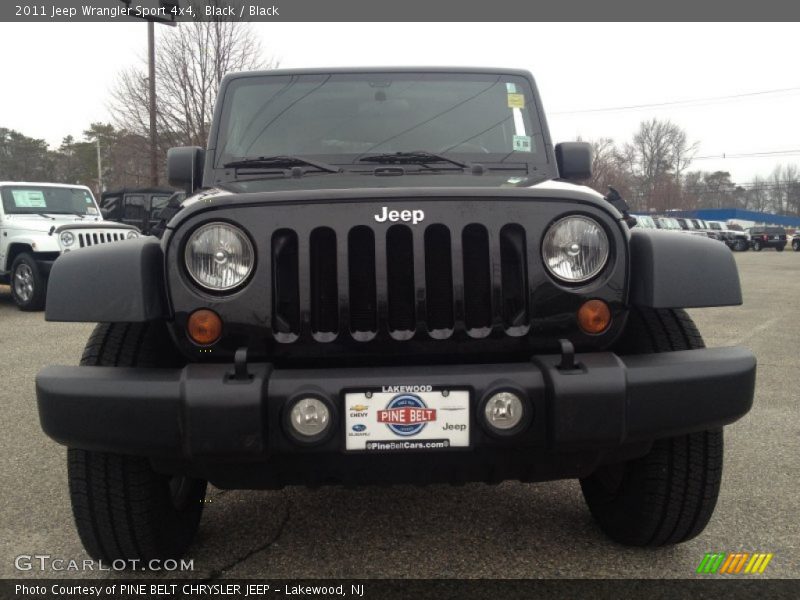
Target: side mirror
(574, 160)
(185, 167)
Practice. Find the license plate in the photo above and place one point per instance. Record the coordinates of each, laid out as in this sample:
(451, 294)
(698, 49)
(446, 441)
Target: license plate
(391, 419)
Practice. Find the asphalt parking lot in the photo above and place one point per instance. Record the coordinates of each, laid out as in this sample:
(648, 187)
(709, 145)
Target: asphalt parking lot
(512, 530)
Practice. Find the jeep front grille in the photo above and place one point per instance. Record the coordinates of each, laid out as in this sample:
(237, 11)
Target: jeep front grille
(400, 280)
(93, 238)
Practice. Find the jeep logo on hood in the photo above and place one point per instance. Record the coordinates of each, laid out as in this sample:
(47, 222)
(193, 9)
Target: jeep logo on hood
(412, 216)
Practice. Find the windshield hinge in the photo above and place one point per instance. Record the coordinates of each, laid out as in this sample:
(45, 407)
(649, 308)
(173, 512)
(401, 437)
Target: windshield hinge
(615, 199)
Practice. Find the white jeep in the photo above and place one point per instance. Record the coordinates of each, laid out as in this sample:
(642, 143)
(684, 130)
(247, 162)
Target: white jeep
(39, 221)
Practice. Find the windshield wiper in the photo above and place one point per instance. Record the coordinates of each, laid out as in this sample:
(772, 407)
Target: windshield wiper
(420, 157)
(46, 216)
(280, 161)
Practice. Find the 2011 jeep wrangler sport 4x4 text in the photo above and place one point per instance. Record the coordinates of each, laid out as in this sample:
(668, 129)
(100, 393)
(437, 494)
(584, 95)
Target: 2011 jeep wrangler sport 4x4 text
(382, 276)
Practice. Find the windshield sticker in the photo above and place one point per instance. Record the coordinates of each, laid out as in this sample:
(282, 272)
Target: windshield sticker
(516, 101)
(522, 143)
(519, 122)
(28, 199)
(511, 88)
(91, 210)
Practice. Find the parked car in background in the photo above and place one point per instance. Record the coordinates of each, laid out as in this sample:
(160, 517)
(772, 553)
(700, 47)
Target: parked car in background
(645, 222)
(667, 223)
(140, 207)
(673, 224)
(39, 222)
(739, 241)
(767, 237)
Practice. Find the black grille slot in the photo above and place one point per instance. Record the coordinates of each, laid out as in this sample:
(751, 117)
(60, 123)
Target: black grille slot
(324, 287)
(477, 277)
(438, 277)
(513, 269)
(400, 278)
(285, 283)
(362, 291)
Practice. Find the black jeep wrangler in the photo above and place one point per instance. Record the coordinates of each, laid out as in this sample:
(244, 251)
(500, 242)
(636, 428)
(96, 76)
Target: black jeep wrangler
(382, 276)
(141, 207)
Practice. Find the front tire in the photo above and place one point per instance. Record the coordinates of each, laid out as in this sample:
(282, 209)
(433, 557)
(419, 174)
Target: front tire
(28, 285)
(757, 246)
(123, 509)
(740, 245)
(668, 495)
(796, 245)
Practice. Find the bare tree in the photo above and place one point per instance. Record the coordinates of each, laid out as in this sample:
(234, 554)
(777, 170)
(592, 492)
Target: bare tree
(191, 60)
(657, 156)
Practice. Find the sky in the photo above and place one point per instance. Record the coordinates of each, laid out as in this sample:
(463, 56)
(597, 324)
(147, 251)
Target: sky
(734, 88)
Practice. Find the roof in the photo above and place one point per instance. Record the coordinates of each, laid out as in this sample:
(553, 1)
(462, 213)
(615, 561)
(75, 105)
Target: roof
(143, 190)
(44, 184)
(356, 70)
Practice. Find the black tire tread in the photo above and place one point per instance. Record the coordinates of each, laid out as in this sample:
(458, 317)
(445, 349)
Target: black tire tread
(668, 495)
(122, 508)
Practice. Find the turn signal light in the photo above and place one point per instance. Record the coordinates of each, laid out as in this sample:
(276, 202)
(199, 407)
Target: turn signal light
(204, 327)
(594, 316)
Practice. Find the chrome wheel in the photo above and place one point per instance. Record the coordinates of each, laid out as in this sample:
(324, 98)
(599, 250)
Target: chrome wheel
(23, 283)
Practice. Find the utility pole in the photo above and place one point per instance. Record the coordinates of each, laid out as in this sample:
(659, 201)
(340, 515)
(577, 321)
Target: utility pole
(168, 6)
(100, 188)
(151, 63)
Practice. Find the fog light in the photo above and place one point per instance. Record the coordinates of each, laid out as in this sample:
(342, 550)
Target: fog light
(594, 316)
(504, 411)
(309, 419)
(204, 327)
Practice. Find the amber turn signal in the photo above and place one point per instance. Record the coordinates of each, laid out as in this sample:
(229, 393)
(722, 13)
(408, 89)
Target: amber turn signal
(204, 327)
(594, 316)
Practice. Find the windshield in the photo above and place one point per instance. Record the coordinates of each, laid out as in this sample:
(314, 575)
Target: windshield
(645, 222)
(32, 200)
(668, 223)
(341, 118)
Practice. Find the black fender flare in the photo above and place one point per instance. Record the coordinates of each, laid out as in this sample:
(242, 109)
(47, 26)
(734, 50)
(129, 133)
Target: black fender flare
(116, 282)
(676, 270)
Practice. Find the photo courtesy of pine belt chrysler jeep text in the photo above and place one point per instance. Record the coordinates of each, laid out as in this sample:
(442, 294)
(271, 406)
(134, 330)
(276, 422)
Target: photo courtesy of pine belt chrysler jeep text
(385, 276)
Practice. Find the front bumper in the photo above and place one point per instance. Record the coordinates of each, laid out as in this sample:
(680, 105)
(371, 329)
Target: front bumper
(202, 415)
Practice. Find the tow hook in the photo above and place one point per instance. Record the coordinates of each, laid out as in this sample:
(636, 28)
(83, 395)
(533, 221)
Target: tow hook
(240, 366)
(567, 356)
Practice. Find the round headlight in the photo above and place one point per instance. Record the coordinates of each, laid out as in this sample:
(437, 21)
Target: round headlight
(575, 249)
(219, 256)
(309, 419)
(132, 234)
(67, 238)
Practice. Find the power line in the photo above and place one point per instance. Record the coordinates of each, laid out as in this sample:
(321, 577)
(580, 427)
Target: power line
(766, 153)
(712, 99)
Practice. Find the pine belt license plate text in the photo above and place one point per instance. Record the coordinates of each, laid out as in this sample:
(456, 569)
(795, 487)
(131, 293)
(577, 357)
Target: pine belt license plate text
(406, 418)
